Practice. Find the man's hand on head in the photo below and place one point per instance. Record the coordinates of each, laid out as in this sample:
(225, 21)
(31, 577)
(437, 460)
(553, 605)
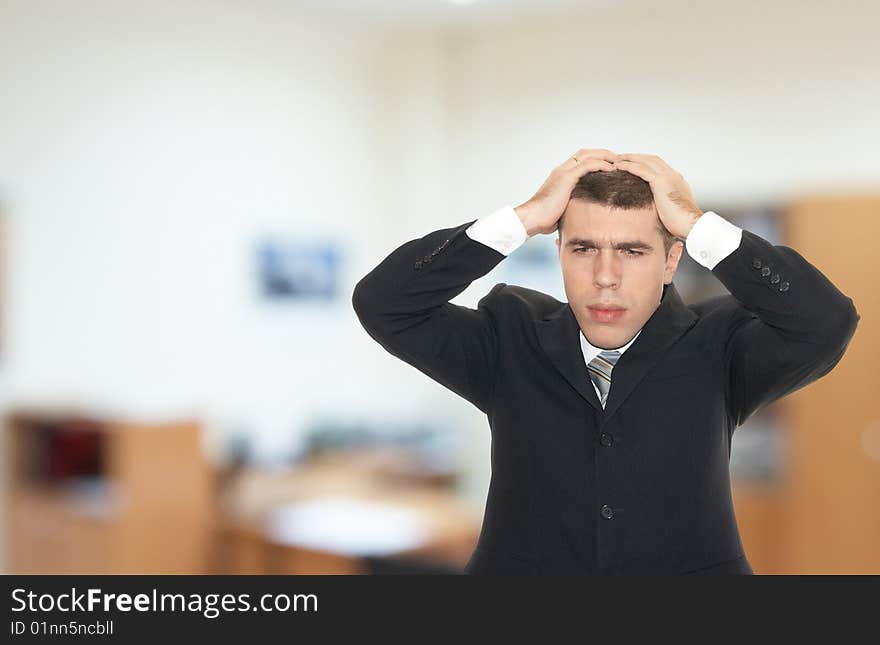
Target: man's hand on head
(541, 213)
(676, 206)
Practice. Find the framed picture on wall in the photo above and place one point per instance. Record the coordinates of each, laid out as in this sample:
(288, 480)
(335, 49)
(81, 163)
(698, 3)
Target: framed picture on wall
(292, 270)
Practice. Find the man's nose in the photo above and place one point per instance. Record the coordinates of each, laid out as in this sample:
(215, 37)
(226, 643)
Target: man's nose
(606, 269)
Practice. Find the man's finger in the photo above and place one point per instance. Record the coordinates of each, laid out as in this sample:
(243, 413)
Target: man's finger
(592, 153)
(651, 161)
(576, 163)
(637, 168)
(660, 163)
(591, 164)
(599, 153)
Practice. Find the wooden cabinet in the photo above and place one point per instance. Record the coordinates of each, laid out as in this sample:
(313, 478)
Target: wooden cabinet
(822, 515)
(89, 495)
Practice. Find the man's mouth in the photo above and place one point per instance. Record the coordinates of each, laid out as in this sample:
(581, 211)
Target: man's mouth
(606, 313)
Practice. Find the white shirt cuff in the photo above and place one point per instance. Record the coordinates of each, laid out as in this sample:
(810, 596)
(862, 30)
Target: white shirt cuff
(501, 230)
(712, 239)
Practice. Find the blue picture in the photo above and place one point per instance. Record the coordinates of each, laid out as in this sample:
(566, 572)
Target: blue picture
(298, 270)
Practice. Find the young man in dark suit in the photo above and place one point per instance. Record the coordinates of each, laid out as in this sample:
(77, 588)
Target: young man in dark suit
(611, 414)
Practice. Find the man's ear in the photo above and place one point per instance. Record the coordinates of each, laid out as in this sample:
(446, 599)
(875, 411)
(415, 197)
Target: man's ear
(672, 261)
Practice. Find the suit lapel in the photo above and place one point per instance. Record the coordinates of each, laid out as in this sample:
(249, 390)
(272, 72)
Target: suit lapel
(559, 335)
(668, 323)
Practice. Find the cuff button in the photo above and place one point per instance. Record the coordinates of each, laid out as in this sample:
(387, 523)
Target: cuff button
(765, 271)
(756, 263)
(774, 278)
(784, 286)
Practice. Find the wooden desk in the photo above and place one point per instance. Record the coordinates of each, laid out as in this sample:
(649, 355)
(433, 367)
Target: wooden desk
(246, 544)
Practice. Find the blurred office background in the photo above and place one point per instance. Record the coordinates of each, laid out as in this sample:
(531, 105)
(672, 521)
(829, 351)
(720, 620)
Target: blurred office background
(189, 191)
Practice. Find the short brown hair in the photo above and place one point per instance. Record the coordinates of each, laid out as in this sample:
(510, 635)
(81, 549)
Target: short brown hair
(617, 189)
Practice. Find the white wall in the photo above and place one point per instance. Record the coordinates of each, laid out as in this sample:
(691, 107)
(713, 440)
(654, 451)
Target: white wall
(748, 100)
(145, 150)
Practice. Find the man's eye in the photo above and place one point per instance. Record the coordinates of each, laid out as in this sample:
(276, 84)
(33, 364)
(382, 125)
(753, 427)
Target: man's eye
(629, 252)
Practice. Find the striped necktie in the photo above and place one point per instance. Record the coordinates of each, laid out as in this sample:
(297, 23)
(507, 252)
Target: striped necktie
(600, 372)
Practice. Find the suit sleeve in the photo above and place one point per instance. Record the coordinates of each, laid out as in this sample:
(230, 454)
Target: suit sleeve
(403, 304)
(791, 328)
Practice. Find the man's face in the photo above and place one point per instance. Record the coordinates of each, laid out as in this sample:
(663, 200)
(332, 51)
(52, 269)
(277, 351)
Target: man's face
(597, 275)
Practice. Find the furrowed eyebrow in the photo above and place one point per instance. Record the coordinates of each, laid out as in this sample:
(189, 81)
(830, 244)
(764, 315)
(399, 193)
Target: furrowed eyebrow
(632, 244)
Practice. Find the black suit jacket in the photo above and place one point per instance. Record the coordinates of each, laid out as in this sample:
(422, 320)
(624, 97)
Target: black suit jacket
(643, 486)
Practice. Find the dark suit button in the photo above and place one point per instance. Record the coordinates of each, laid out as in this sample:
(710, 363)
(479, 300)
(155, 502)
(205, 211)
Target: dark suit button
(418, 264)
(774, 278)
(765, 271)
(607, 512)
(784, 286)
(756, 263)
(606, 439)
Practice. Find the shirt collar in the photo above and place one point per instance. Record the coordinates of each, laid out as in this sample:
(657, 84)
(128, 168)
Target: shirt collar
(591, 351)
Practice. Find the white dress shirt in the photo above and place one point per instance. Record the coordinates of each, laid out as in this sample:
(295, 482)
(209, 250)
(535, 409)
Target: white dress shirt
(711, 239)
